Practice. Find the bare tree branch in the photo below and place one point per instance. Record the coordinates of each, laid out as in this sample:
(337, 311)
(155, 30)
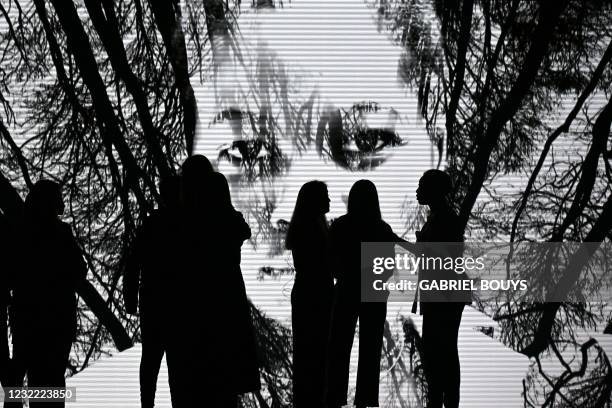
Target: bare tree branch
(595, 78)
(548, 18)
(21, 161)
(105, 24)
(80, 47)
(457, 79)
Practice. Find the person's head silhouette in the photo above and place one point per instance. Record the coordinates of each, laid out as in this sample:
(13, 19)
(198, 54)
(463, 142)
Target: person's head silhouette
(196, 166)
(195, 171)
(312, 202)
(170, 191)
(44, 201)
(434, 187)
(363, 201)
(219, 200)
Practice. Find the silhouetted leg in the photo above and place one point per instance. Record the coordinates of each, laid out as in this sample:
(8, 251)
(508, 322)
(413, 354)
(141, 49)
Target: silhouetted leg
(301, 349)
(296, 332)
(371, 326)
(432, 349)
(310, 324)
(178, 361)
(16, 374)
(323, 327)
(344, 320)
(150, 362)
(213, 387)
(452, 380)
(48, 369)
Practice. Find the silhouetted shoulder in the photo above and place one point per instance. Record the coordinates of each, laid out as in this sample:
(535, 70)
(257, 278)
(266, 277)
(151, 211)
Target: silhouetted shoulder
(239, 227)
(386, 232)
(338, 230)
(339, 224)
(442, 227)
(74, 257)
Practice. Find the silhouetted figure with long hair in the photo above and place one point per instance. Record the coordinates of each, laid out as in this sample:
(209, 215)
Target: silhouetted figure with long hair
(311, 296)
(222, 338)
(45, 301)
(440, 319)
(148, 282)
(195, 171)
(185, 280)
(362, 223)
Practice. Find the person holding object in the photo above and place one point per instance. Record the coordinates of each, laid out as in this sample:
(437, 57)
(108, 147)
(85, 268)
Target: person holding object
(45, 301)
(311, 296)
(362, 223)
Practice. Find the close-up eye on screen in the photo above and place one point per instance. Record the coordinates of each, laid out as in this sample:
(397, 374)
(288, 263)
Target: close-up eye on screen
(305, 203)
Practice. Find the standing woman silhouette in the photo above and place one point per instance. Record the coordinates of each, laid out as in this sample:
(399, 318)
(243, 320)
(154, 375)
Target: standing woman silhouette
(185, 283)
(226, 360)
(440, 319)
(147, 286)
(311, 296)
(45, 292)
(362, 223)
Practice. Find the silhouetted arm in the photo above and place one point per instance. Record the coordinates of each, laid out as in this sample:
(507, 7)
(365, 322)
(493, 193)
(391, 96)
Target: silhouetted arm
(77, 265)
(335, 238)
(407, 245)
(449, 234)
(391, 238)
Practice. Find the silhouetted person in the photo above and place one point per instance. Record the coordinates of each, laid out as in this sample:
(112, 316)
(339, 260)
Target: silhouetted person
(184, 289)
(440, 319)
(6, 270)
(222, 339)
(195, 169)
(311, 296)
(148, 282)
(362, 223)
(45, 301)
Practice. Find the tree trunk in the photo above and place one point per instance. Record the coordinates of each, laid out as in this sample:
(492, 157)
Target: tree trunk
(79, 46)
(105, 24)
(167, 17)
(457, 78)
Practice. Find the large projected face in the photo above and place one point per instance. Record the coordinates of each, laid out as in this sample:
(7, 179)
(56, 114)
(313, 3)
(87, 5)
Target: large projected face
(310, 91)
